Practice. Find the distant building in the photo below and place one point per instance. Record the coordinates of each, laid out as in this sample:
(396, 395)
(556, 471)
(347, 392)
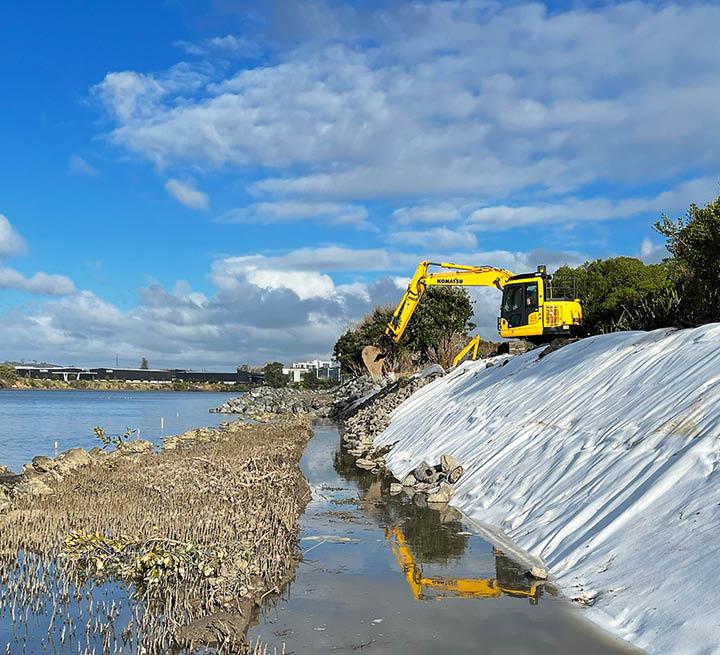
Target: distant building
(155, 376)
(324, 370)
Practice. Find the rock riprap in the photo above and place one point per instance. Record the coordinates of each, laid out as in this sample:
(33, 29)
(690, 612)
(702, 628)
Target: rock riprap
(432, 482)
(323, 403)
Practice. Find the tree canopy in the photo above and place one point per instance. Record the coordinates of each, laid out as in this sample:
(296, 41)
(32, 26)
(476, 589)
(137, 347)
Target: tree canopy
(694, 243)
(274, 377)
(608, 286)
(443, 312)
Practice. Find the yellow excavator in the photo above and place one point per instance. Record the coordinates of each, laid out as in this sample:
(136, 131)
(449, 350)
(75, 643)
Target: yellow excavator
(423, 587)
(532, 308)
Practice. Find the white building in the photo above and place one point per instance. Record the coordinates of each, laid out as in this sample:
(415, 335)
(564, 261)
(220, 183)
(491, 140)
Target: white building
(325, 370)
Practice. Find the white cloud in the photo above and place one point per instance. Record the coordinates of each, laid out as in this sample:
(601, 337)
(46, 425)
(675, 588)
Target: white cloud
(506, 217)
(436, 238)
(443, 212)
(285, 307)
(186, 194)
(11, 243)
(651, 252)
(39, 283)
(453, 98)
(78, 166)
(298, 210)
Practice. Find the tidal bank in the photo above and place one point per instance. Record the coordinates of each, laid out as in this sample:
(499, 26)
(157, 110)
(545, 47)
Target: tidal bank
(186, 541)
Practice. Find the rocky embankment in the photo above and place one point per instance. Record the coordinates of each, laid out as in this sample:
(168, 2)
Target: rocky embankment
(431, 483)
(199, 532)
(325, 403)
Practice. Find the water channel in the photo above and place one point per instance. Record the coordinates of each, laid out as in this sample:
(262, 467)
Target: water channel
(383, 575)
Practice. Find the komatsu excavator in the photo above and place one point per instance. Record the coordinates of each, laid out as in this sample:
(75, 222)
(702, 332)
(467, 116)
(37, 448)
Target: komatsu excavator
(531, 309)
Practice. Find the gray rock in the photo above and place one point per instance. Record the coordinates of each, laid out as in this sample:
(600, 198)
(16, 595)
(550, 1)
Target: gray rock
(409, 481)
(442, 495)
(366, 464)
(395, 488)
(43, 464)
(135, 447)
(425, 473)
(31, 485)
(71, 460)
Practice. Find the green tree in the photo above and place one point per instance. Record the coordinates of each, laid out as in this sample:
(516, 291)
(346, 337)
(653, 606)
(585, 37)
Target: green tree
(348, 348)
(8, 375)
(311, 381)
(144, 365)
(694, 243)
(444, 314)
(274, 377)
(612, 290)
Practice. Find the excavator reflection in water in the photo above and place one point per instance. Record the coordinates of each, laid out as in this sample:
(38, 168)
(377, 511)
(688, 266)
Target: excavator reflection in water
(422, 536)
(509, 579)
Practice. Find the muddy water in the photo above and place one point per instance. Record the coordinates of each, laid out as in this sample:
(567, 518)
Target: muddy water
(383, 575)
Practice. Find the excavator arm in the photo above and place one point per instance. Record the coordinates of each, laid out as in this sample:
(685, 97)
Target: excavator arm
(465, 276)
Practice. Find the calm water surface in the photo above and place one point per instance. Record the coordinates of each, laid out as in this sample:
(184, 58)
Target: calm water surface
(32, 421)
(382, 575)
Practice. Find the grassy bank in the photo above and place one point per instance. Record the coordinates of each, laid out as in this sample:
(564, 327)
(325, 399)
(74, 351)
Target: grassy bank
(173, 550)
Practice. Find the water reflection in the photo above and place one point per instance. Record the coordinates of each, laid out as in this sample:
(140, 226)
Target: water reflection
(509, 578)
(420, 536)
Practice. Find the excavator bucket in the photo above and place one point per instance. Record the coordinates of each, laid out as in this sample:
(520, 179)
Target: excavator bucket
(374, 360)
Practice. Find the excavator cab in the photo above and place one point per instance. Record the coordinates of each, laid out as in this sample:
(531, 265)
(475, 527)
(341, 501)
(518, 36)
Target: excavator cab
(532, 309)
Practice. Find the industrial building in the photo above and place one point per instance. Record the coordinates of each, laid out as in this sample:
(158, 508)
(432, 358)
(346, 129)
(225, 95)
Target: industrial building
(325, 370)
(156, 376)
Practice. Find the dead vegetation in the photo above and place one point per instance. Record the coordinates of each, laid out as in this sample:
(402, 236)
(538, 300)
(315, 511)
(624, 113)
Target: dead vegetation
(157, 552)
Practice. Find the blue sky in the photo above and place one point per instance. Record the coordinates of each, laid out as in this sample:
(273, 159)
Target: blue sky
(210, 183)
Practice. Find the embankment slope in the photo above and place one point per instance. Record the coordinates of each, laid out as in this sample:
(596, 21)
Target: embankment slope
(602, 459)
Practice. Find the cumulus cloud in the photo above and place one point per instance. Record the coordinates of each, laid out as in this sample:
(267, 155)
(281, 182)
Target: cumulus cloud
(298, 210)
(186, 194)
(452, 98)
(39, 283)
(652, 252)
(11, 243)
(259, 310)
(285, 306)
(435, 238)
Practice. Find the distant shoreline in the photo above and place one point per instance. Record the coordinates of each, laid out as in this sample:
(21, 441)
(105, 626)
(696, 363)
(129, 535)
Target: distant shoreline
(104, 385)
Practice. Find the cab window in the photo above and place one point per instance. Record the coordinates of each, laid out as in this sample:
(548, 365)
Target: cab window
(513, 299)
(531, 296)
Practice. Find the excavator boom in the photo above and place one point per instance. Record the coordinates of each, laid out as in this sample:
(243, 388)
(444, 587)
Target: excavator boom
(460, 275)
